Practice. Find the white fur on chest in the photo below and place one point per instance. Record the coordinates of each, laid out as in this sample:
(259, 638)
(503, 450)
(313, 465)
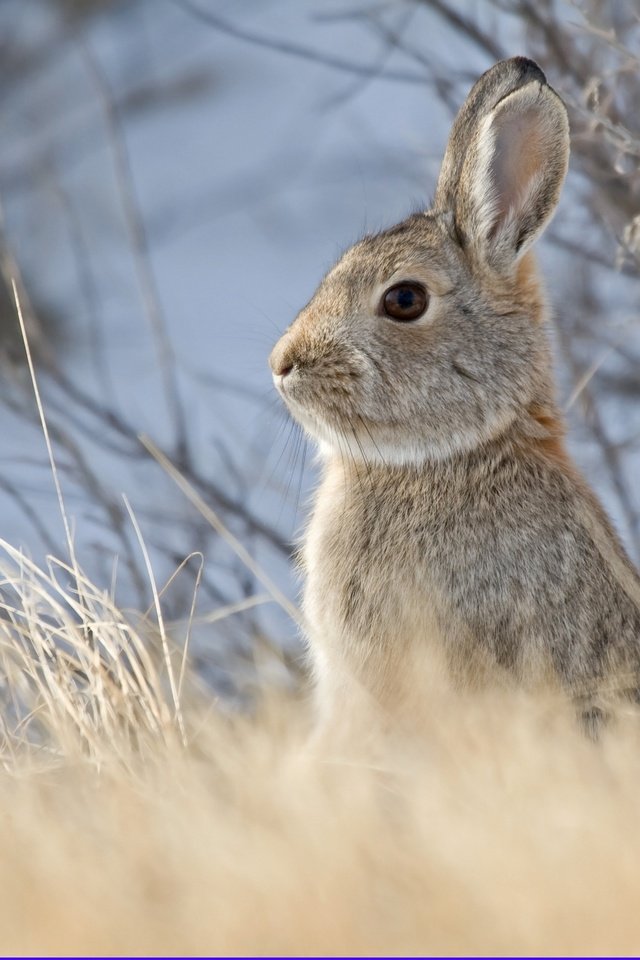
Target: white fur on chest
(370, 625)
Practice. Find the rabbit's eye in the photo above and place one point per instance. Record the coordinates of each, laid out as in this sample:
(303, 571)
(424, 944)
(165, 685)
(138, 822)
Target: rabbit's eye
(405, 301)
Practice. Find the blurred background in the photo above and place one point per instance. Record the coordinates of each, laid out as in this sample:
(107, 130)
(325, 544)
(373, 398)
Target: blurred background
(175, 178)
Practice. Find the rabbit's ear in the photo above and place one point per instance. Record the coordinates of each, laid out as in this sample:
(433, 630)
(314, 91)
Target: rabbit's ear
(506, 161)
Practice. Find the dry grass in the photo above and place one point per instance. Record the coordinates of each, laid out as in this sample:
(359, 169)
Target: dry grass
(133, 824)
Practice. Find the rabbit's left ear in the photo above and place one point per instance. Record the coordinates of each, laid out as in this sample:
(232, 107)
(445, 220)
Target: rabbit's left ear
(513, 169)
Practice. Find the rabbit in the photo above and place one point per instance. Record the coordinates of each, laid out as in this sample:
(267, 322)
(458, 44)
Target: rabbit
(450, 518)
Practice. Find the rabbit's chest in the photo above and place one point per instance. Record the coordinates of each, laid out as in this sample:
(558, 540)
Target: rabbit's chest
(369, 586)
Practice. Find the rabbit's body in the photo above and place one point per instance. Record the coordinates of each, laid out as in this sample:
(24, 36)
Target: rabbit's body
(500, 557)
(449, 518)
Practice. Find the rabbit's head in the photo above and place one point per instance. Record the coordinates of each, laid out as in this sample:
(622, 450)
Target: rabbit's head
(428, 338)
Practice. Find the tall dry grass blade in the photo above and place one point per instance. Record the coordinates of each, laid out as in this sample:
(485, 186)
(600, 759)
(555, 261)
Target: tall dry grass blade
(190, 618)
(43, 424)
(212, 518)
(161, 626)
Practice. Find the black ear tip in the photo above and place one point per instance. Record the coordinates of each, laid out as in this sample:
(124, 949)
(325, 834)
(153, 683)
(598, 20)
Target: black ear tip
(505, 77)
(526, 69)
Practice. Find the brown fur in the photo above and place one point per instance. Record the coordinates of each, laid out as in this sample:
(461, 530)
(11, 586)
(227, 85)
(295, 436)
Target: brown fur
(529, 287)
(551, 444)
(450, 518)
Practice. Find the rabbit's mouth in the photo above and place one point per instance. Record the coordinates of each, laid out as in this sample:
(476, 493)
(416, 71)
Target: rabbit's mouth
(326, 407)
(320, 388)
(311, 405)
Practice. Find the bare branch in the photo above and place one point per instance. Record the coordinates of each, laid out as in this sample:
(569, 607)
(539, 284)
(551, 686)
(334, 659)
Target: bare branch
(295, 50)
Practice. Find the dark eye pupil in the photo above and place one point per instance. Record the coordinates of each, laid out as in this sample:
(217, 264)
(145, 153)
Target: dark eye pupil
(405, 298)
(405, 301)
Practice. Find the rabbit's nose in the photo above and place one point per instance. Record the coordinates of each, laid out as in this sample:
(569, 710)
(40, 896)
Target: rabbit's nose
(281, 360)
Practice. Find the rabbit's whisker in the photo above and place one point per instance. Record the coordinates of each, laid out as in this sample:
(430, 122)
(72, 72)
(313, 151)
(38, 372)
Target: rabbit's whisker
(372, 438)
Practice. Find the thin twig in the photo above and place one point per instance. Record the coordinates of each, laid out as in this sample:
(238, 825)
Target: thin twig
(140, 248)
